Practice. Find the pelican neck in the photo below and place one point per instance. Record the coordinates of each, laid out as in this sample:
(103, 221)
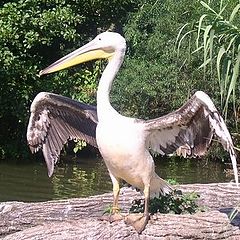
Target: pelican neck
(104, 107)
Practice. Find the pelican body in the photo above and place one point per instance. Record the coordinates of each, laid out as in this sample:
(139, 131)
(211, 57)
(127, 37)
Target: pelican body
(123, 142)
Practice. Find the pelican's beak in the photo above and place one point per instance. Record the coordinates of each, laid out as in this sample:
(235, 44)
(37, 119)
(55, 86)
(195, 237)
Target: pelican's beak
(88, 52)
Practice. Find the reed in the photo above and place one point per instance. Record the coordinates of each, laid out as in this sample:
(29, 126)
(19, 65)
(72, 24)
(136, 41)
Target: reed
(216, 36)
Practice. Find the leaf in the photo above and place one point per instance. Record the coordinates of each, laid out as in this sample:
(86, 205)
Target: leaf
(231, 42)
(180, 32)
(233, 82)
(206, 42)
(199, 28)
(182, 38)
(205, 63)
(205, 36)
(221, 52)
(227, 74)
(75, 150)
(211, 37)
(198, 49)
(221, 11)
(235, 10)
(208, 7)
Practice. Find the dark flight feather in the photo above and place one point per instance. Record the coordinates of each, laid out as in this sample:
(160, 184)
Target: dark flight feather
(56, 119)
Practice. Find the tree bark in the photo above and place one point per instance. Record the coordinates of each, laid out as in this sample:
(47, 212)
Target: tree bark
(79, 218)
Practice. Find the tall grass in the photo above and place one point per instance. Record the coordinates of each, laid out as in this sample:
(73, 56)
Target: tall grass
(217, 38)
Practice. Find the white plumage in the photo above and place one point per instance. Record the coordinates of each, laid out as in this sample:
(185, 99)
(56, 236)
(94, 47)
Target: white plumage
(123, 142)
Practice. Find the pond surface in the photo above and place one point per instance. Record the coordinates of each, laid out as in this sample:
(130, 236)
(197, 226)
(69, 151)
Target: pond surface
(85, 177)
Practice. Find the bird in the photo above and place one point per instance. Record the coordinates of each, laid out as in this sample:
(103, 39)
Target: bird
(126, 144)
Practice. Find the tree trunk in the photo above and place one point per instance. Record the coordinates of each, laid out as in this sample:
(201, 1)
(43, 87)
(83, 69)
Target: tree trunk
(79, 218)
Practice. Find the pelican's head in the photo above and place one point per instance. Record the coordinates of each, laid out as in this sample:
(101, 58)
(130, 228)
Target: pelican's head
(104, 45)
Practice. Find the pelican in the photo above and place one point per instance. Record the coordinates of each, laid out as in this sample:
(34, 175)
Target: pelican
(124, 143)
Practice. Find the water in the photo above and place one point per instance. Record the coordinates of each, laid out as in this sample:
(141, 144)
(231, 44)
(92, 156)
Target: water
(85, 177)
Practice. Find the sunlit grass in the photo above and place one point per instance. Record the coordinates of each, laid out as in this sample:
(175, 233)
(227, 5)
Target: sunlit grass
(216, 37)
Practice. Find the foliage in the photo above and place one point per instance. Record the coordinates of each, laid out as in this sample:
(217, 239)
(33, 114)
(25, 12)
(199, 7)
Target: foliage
(172, 181)
(109, 209)
(153, 81)
(175, 202)
(79, 145)
(217, 37)
(33, 34)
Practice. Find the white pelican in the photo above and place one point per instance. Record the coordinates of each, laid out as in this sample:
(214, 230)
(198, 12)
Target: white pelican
(124, 142)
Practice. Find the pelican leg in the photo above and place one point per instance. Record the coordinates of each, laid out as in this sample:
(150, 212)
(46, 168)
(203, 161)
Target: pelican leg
(115, 215)
(115, 211)
(116, 190)
(139, 221)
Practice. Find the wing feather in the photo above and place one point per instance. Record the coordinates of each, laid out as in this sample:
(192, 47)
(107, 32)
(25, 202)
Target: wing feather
(54, 120)
(189, 130)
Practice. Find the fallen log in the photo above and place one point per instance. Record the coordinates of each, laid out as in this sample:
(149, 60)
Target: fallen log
(79, 218)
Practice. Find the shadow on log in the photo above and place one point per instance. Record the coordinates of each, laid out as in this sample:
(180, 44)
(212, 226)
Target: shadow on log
(78, 218)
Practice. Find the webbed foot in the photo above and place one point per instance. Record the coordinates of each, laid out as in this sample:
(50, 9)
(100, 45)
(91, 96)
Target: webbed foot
(138, 221)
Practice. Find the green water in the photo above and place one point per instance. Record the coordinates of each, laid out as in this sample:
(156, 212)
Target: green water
(85, 177)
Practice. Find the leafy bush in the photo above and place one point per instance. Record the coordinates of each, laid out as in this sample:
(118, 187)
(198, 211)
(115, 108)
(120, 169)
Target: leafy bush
(154, 80)
(33, 34)
(175, 202)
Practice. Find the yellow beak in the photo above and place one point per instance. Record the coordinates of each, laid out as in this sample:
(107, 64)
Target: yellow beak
(88, 52)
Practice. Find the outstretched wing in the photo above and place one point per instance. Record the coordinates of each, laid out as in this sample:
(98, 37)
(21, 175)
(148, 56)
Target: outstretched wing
(54, 120)
(189, 130)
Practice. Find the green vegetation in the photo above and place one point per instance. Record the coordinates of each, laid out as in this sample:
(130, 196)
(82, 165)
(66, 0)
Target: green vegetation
(34, 33)
(151, 79)
(175, 202)
(217, 37)
(156, 77)
(109, 209)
